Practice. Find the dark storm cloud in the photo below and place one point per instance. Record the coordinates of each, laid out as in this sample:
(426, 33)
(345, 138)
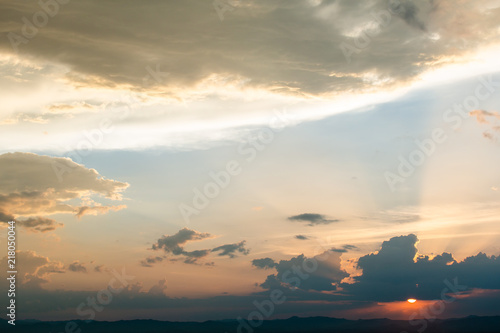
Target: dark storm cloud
(313, 219)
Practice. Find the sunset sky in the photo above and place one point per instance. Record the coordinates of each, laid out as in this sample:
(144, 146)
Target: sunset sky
(209, 148)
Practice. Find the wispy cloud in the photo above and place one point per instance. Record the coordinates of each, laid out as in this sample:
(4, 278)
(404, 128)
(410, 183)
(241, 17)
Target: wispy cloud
(312, 219)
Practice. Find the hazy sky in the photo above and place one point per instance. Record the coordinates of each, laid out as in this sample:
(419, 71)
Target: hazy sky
(342, 152)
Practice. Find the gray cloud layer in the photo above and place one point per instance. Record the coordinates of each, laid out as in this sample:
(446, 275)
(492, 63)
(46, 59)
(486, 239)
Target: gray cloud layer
(283, 46)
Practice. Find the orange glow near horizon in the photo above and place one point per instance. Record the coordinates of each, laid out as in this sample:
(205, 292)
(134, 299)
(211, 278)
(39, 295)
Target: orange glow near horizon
(411, 300)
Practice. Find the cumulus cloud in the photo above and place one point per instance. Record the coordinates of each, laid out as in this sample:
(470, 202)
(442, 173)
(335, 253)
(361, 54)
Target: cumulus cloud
(313, 219)
(77, 267)
(397, 272)
(33, 185)
(159, 288)
(33, 269)
(320, 273)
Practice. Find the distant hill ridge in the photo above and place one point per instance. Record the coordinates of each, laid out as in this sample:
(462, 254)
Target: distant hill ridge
(471, 324)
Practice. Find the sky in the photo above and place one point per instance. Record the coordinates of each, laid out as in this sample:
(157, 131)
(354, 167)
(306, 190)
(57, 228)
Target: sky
(201, 160)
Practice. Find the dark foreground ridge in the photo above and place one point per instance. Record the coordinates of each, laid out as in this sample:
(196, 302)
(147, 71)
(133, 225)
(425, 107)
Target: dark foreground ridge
(470, 324)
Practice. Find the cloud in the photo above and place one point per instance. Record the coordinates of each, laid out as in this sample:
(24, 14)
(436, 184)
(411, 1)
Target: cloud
(33, 269)
(264, 263)
(149, 261)
(344, 248)
(70, 108)
(99, 268)
(174, 245)
(301, 237)
(193, 256)
(110, 54)
(322, 273)
(159, 288)
(408, 11)
(481, 116)
(32, 186)
(488, 118)
(313, 219)
(39, 224)
(230, 249)
(398, 272)
(56, 111)
(387, 275)
(97, 210)
(31, 172)
(6, 217)
(78, 267)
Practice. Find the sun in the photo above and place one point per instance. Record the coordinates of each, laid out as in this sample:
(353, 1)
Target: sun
(411, 300)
